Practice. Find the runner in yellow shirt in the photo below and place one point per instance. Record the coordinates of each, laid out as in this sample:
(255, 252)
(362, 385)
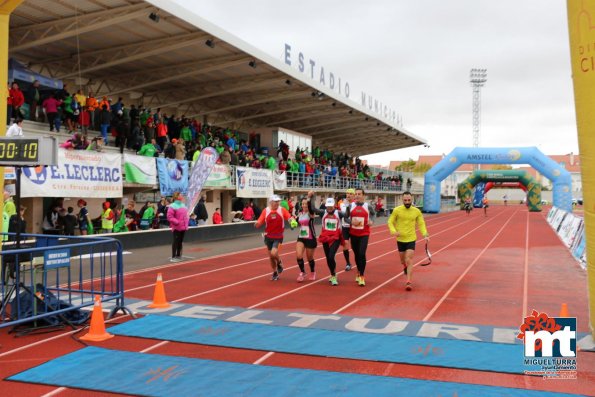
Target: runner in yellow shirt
(402, 224)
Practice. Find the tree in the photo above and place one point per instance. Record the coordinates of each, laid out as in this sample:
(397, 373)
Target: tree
(406, 166)
(422, 168)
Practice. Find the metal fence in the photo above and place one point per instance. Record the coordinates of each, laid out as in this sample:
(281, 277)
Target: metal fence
(47, 280)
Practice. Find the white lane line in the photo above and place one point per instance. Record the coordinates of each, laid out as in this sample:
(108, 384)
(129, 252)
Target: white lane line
(453, 286)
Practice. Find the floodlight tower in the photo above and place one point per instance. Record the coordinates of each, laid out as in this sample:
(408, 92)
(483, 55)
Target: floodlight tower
(477, 78)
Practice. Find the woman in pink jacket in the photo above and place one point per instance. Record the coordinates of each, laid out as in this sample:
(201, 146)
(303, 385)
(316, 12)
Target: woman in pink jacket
(177, 216)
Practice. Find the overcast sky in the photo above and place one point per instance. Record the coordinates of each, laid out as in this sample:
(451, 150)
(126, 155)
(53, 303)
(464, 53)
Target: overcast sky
(415, 56)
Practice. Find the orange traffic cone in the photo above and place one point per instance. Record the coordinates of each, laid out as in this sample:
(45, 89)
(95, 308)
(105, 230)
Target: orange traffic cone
(159, 301)
(97, 331)
(564, 310)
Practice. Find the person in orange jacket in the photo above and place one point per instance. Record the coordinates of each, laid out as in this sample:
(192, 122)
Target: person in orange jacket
(91, 105)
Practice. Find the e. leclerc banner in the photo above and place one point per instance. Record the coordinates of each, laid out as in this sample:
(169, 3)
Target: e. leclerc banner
(78, 174)
(200, 172)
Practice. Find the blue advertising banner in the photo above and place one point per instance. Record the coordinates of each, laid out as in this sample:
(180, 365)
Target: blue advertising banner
(173, 176)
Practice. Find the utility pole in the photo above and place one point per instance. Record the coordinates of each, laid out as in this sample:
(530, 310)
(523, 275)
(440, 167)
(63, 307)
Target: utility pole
(477, 78)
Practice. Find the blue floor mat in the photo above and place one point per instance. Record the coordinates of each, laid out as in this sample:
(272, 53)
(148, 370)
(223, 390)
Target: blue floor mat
(341, 344)
(141, 374)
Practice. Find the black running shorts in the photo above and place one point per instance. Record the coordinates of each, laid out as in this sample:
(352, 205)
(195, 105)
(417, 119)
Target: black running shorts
(402, 246)
(272, 242)
(308, 242)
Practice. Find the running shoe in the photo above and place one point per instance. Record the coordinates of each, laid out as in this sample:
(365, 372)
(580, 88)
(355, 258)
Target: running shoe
(175, 259)
(348, 267)
(312, 276)
(362, 281)
(408, 286)
(279, 267)
(357, 278)
(333, 280)
(301, 277)
(275, 276)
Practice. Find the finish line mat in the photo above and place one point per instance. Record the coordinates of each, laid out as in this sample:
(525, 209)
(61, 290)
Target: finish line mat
(319, 342)
(141, 374)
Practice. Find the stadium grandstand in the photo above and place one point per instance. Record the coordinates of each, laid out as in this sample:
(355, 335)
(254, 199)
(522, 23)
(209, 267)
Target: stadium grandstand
(156, 62)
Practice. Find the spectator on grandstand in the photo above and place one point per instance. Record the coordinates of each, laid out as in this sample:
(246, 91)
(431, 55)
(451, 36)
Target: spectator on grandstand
(225, 156)
(122, 125)
(96, 144)
(180, 149)
(33, 99)
(16, 129)
(51, 105)
(117, 107)
(77, 142)
(70, 106)
(90, 106)
(104, 102)
(248, 212)
(217, 219)
(17, 100)
(200, 210)
(84, 120)
(161, 134)
(149, 149)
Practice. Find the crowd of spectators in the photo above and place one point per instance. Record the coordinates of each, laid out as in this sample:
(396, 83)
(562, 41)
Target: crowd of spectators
(155, 133)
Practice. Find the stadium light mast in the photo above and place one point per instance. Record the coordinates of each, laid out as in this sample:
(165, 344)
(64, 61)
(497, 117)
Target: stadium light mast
(477, 78)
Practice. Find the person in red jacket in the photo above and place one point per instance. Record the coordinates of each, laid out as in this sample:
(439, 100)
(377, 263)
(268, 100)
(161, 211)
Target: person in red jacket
(217, 220)
(18, 99)
(248, 212)
(361, 215)
(331, 237)
(274, 217)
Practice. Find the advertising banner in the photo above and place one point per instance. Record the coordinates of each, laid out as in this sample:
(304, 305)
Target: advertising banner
(253, 182)
(78, 174)
(140, 169)
(200, 172)
(280, 180)
(173, 176)
(220, 176)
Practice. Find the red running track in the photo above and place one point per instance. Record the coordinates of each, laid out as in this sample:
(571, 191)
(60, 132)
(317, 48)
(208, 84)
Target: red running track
(486, 271)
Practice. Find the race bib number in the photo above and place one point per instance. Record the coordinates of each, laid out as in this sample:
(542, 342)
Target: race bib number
(330, 224)
(357, 222)
(304, 232)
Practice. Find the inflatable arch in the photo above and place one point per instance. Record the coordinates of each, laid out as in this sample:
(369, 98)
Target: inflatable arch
(530, 185)
(503, 185)
(559, 176)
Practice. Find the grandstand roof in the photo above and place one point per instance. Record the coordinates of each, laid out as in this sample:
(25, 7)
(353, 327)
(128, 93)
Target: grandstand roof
(183, 63)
